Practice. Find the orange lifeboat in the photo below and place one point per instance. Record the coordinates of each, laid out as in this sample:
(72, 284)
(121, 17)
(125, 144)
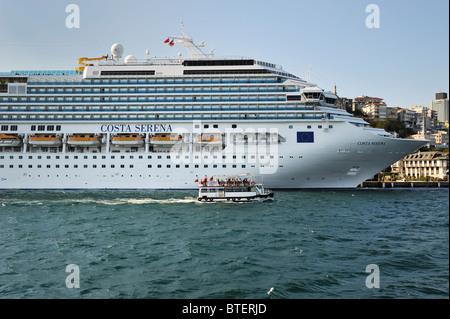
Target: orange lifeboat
(211, 140)
(77, 140)
(9, 140)
(45, 141)
(165, 140)
(128, 140)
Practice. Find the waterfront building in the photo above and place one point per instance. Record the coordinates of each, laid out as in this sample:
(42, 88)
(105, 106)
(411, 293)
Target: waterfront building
(422, 164)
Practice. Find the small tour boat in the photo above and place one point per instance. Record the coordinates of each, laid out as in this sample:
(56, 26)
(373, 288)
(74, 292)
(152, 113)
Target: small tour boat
(235, 188)
(9, 140)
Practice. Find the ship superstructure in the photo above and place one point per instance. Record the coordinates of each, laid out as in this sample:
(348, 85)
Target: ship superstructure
(162, 123)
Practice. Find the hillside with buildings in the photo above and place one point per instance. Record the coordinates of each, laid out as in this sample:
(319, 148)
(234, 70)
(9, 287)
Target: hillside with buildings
(417, 121)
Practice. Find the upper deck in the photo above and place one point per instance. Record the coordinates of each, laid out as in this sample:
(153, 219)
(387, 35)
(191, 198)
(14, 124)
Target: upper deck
(200, 87)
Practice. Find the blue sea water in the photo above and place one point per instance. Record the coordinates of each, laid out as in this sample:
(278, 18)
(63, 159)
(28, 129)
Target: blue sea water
(164, 244)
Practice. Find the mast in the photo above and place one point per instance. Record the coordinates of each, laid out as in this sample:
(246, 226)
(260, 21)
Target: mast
(194, 49)
(423, 122)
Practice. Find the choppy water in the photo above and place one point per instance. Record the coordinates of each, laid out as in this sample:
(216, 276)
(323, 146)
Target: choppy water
(164, 244)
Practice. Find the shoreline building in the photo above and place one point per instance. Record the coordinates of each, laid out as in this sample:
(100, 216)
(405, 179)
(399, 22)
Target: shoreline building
(440, 105)
(422, 164)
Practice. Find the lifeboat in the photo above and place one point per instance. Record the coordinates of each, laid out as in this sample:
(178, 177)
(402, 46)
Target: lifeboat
(211, 140)
(9, 140)
(165, 140)
(129, 140)
(45, 141)
(76, 140)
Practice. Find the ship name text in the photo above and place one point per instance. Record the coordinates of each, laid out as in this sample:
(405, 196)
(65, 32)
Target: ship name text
(136, 128)
(372, 143)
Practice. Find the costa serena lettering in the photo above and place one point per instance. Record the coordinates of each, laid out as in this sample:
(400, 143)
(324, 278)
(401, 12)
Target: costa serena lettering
(136, 128)
(371, 143)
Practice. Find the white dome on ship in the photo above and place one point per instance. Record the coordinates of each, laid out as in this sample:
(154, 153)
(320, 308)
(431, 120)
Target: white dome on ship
(117, 50)
(130, 59)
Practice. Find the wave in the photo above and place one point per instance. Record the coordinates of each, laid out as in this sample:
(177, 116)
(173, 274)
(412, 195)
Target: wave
(116, 201)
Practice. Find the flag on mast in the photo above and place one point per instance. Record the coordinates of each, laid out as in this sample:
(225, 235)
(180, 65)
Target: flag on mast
(167, 40)
(171, 43)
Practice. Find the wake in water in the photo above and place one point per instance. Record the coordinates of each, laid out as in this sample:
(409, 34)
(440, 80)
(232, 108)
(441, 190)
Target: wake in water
(116, 201)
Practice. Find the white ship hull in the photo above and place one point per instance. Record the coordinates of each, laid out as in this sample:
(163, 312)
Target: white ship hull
(329, 162)
(263, 121)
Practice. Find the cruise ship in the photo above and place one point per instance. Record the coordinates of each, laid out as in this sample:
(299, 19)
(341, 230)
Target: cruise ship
(117, 122)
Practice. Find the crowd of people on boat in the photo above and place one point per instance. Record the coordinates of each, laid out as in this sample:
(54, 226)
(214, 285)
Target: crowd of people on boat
(230, 181)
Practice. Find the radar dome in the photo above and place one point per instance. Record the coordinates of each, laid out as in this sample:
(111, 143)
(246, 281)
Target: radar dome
(130, 59)
(117, 50)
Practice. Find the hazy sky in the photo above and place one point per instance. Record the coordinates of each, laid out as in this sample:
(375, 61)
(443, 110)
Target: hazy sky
(405, 60)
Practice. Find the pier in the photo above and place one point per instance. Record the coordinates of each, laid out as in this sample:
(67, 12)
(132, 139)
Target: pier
(412, 184)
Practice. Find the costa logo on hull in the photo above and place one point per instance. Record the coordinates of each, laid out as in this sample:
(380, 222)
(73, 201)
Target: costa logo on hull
(136, 128)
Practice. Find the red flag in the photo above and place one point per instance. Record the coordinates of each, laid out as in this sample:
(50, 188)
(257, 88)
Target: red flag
(196, 181)
(167, 40)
